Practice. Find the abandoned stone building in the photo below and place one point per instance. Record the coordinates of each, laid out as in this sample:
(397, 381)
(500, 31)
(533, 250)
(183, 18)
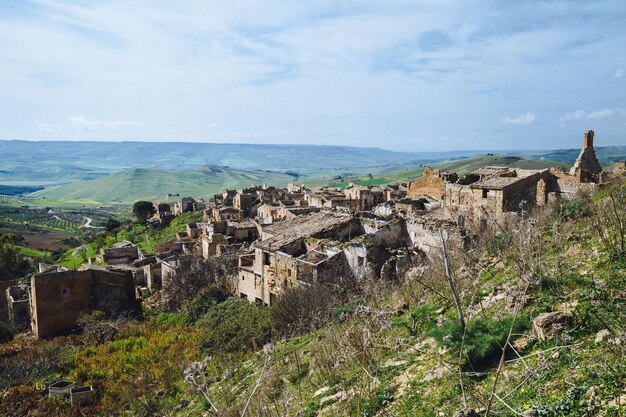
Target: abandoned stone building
(219, 236)
(368, 197)
(222, 213)
(243, 202)
(194, 230)
(58, 299)
(163, 213)
(274, 264)
(121, 253)
(492, 193)
(188, 204)
(18, 306)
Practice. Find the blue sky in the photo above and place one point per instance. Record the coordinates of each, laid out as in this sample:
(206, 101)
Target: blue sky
(402, 75)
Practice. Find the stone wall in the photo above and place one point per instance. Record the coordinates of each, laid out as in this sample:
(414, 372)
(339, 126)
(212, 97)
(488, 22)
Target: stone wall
(4, 308)
(58, 299)
(429, 184)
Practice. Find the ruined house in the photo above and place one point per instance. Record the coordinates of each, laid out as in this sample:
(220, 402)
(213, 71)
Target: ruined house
(163, 213)
(18, 306)
(490, 193)
(187, 205)
(223, 213)
(243, 202)
(121, 253)
(58, 299)
(194, 230)
(273, 266)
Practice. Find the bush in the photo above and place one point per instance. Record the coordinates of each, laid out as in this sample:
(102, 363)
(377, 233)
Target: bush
(206, 298)
(303, 309)
(483, 339)
(422, 316)
(498, 243)
(234, 325)
(569, 210)
(97, 328)
(7, 332)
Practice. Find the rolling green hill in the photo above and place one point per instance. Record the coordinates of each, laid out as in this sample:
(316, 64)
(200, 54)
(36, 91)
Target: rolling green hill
(58, 162)
(154, 184)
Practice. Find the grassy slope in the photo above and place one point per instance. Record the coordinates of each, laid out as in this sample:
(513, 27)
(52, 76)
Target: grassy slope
(151, 184)
(373, 367)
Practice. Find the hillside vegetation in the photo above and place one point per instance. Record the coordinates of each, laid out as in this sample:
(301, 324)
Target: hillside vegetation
(381, 349)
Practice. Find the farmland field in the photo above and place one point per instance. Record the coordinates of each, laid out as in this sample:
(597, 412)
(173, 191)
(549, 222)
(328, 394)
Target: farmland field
(49, 229)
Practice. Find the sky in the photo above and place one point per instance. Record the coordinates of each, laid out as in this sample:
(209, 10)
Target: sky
(421, 75)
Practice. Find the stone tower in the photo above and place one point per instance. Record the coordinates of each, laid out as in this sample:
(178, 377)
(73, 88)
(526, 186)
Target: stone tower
(587, 168)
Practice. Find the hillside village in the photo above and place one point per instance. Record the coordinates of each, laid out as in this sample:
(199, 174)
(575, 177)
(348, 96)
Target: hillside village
(266, 240)
(293, 236)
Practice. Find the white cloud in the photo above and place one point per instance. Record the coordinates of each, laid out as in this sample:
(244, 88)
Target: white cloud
(83, 123)
(575, 115)
(263, 66)
(600, 114)
(593, 115)
(523, 119)
(244, 135)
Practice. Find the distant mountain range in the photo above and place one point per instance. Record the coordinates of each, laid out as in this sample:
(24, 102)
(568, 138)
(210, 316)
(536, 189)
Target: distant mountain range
(50, 162)
(43, 163)
(123, 172)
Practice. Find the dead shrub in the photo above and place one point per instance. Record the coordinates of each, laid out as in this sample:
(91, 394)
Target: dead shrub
(302, 309)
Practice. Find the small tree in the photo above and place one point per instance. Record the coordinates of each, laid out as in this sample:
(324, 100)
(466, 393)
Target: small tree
(12, 263)
(112, 224)
(143, 210)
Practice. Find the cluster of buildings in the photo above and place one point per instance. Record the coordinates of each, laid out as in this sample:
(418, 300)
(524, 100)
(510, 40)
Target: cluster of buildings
(283, 237)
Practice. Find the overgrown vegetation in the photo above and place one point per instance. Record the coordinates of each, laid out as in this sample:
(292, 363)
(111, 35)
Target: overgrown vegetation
(388, 348)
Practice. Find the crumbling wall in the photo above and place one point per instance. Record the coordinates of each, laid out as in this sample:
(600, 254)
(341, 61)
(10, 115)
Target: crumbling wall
(58, 299)
(430, 184)
(18, 306)
(4, 307)
(523, 193)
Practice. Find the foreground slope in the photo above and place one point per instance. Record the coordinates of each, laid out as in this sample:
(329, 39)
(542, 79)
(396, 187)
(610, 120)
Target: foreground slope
(388, 349)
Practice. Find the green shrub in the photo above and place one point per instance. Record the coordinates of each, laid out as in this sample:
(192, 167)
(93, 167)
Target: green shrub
(234, 325)
(422, 316)
(498, 243)
(573, 209)
(206, 298)
(169, 319)
(483, 338)
(340, 313)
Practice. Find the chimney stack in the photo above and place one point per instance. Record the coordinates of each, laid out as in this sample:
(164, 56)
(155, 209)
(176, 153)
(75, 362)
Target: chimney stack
(589, 139)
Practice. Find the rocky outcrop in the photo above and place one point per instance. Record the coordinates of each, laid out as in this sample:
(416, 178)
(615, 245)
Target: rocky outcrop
(547, 326)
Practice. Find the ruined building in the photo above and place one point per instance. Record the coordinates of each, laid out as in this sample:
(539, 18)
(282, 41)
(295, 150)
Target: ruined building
(121, 253)
(587, 168)
(285, 253)
(58, 299)
(493, 193)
